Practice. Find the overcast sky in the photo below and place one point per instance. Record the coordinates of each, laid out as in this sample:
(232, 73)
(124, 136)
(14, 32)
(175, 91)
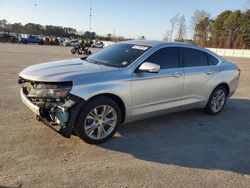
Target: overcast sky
(130, 18)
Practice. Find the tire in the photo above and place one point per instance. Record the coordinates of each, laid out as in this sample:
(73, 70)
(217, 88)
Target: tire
(79, 52)
(211, 107)
(41, 43)
(90, 123)
(73, 51)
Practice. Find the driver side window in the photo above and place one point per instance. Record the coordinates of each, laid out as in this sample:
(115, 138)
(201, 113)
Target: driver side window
(165, 57)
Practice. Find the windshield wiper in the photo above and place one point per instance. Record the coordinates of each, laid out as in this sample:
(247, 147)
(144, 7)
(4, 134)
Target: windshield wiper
(93, 61)
(112, 65)
(101, 63)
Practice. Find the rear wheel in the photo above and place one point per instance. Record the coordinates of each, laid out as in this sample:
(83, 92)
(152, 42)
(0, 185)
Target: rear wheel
(79, 52)
(216, 101)
(98, 120)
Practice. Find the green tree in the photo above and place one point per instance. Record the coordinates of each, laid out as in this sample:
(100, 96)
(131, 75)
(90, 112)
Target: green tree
(243, 39)
(16, 28)
(232, 26)
(3, 24)
(87, 35)
(92, 35)
(34, 29)
(109, 36)
(218, 30)
(202, 31)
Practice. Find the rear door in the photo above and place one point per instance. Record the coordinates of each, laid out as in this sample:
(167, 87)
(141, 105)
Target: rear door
(199, 68)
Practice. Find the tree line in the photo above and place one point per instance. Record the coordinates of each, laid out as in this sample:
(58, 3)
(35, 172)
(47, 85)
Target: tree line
(37, 29)
(55, 31)
(230, 29)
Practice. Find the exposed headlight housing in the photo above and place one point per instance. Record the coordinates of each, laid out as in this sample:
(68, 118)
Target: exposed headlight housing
(49, 90)
(49, 93)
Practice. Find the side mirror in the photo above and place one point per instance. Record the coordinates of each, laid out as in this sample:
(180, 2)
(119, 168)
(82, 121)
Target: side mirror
(149, 67)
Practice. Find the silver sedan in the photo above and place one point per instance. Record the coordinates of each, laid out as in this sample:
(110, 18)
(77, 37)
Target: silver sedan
(125, 82)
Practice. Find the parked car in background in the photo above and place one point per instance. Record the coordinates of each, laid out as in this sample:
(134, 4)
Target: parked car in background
(60, 40)
(25, 39)
(5, 37)
(98, 45)
(125, 82)
(71, 43)
(8, 37)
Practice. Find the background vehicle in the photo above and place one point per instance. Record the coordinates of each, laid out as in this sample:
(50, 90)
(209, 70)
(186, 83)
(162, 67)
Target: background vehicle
(98, 45)
(126, 82)
(71, 43)
(30, 39)
(5, 37)
(80, 50)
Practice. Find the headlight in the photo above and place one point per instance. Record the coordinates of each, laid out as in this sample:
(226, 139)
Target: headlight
(52, 91)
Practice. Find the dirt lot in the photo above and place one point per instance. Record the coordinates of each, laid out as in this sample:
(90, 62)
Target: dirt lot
(186, 149)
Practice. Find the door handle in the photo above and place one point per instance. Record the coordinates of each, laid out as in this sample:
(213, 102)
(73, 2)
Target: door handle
(177, 74)
(209, 72)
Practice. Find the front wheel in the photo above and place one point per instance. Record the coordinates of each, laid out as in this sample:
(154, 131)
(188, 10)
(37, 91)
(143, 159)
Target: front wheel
(98, 120)
(73, 51)
(216, 101)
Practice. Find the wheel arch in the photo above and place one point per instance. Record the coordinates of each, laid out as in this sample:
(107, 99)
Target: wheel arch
(225, 85)
(116, 99)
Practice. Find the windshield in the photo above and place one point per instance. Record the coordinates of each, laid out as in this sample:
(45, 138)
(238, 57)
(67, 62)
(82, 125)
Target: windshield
(118, 55)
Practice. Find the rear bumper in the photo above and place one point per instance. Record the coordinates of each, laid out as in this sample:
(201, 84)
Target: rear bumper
(233, 86)
(29, 104)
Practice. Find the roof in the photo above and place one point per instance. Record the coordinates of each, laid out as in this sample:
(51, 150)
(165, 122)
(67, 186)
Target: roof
(154, 43)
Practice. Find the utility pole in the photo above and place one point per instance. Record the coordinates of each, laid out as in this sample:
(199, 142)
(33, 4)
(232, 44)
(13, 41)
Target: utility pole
(90, 15)
(114, 35)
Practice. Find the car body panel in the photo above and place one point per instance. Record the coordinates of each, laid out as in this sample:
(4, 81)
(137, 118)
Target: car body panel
(119, 85)
(75, 70)
(29, 104)
(30, 39)
(155, 92)
(195, 80)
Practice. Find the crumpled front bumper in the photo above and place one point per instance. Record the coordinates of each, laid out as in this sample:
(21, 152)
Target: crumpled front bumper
(39, 112)
(29, 104)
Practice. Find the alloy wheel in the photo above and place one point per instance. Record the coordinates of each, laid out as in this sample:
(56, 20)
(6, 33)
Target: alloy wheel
(218, 100)
(100, 122)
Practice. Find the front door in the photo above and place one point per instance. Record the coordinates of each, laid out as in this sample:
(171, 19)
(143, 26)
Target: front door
(155, 92)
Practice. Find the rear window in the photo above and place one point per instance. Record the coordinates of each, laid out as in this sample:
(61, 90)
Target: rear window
(192, 57)
(212, 60)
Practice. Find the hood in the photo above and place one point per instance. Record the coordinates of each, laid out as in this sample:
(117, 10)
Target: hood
(66, 70)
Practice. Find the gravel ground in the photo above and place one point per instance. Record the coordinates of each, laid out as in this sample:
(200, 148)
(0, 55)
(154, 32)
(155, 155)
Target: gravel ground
(186, 149)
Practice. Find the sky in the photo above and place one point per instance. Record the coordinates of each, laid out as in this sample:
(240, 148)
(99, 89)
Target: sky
(129, 18)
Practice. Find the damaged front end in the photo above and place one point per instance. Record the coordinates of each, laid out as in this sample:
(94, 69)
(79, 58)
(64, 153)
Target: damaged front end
(52, 103)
